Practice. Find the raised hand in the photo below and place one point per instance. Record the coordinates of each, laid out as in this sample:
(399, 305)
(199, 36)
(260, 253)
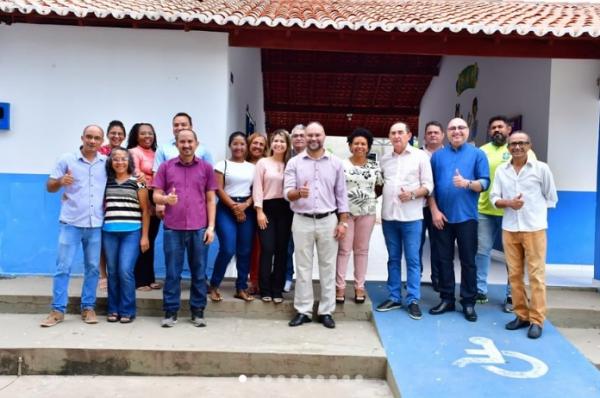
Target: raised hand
(517, 202)
(458, 180)
(67, 179)
(171, 198)
(303, 190)
(404, 196)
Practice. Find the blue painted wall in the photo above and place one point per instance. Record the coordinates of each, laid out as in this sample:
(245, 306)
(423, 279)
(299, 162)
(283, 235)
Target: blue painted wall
(29, 228)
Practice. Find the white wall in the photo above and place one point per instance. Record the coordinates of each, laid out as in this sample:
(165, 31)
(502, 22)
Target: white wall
(508, 86)
(246, 89)
(574, 117)
(60, 78)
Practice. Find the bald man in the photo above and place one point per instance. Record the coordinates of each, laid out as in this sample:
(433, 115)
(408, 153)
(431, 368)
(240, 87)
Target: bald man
(82, 176)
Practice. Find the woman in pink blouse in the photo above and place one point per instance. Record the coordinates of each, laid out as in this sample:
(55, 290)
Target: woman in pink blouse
(142, 145)
(273, 216)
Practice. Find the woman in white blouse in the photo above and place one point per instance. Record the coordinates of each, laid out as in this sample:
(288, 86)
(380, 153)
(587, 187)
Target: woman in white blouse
(364, 181)
(236, 219)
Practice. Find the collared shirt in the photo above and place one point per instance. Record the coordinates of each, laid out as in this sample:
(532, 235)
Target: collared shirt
(496, 155)
(430, 153)
(406, 171)
(458, 204)
(82, 201)
(326, 184)
(536, 183)
(170, 151)
(191, 182)
(360, 183)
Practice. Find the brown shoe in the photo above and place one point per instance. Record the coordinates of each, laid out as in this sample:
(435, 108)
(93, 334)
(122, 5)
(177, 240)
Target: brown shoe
(243, 295)
(340, 296)
(359, 296)
(52, 319)
(214, 295)
(89, 316)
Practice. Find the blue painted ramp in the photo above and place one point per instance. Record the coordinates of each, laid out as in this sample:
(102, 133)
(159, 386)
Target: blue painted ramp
(429, 358)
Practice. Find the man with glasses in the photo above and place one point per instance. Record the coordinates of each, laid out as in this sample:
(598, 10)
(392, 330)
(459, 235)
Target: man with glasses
(460, 173)
(524, 188)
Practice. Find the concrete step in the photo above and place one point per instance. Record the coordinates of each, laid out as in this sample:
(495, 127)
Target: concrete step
(574, 307)
(184, 387)
(226, 347)
(587, 342)
(29, 295)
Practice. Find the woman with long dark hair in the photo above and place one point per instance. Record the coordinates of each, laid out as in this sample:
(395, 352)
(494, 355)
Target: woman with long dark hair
(142, 146)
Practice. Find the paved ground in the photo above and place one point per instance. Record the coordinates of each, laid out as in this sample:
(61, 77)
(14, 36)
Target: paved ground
(185, 387)
(423, 355)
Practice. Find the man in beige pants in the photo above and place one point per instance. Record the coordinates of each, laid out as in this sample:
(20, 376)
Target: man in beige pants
(315, 185)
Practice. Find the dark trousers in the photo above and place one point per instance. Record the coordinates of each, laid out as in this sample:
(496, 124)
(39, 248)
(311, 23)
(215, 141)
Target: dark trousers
(435, 262)
(274, 246)
(465, 235)
(144, 266)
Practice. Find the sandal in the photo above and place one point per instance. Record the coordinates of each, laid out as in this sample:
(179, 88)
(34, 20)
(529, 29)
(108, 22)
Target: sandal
(126, 319)
(144, 289)
(155, 286)
(340, 296)
(112, 317)
(266, 299)
(359, 296)
(214, 295)
(243, 295)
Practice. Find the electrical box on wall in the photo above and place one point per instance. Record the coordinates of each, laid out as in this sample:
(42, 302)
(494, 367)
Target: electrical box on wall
(4, 116)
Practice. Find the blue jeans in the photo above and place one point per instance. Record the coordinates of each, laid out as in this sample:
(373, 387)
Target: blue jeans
(234, 239)
(121, 250)
(175, 244)
(488, 232)
(289, 272)
(401, 235)
(69, 239)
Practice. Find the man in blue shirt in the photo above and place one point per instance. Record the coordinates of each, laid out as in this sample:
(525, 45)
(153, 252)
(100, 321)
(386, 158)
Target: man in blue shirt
(82, 174)
(460, 173)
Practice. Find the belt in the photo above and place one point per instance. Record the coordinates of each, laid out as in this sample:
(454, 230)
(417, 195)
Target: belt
(317, 216)
(239, 199)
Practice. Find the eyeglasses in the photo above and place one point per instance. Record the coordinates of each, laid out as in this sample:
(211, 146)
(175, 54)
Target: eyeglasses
(454, 128)
(518, 143)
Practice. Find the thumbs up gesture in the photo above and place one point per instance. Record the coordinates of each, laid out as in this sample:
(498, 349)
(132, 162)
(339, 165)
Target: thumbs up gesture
(404, 195)
(67, 179)
(303, 190)
(459, 181)
(171, 198)
(517, 202)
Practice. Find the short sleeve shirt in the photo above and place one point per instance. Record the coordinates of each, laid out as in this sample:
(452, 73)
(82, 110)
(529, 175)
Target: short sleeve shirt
(238, 177)
(360, 183)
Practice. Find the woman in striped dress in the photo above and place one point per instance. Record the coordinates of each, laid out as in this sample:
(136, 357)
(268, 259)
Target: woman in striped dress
(124, 233)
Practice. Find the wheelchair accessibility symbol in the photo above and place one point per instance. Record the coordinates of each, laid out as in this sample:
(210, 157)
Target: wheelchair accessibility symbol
(489, 357)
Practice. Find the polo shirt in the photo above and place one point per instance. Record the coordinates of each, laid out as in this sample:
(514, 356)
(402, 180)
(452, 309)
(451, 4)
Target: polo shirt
(81, 202)
(458, 204)
(191, 182)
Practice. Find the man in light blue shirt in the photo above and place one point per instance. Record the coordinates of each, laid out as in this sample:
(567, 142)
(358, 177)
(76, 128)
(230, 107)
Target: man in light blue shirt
(181, 121)
(82, 174)
(460, 173)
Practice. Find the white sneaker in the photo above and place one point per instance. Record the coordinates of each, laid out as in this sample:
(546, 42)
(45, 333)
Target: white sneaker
(287, 287)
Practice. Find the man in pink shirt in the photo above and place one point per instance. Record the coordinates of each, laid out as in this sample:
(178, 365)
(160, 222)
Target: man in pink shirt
(315, 185)
(186, 186)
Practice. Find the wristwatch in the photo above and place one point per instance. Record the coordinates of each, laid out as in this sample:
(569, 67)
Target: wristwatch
(413, 196)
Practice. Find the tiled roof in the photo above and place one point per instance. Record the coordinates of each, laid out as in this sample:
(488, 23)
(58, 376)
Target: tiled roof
(474, 16)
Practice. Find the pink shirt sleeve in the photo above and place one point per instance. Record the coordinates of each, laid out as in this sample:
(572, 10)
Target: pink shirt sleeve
(257, 186)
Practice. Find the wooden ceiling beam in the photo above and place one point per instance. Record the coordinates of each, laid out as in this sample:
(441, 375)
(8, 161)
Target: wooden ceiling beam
(343, 110)
(357, 69)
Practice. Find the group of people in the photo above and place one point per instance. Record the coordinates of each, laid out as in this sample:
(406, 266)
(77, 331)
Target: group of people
(286, 194)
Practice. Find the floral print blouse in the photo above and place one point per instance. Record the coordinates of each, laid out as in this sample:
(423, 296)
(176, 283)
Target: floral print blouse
(361, 182)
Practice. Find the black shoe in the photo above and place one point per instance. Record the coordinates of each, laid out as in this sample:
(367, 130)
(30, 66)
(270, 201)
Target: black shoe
(470, 314)
(481, 298)
(508, 305)
(388, 305)
(327, 321)
(516, 323)
(534, 331)
(442, 307)
(414, 311)
(169, 320)
(299, 319)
